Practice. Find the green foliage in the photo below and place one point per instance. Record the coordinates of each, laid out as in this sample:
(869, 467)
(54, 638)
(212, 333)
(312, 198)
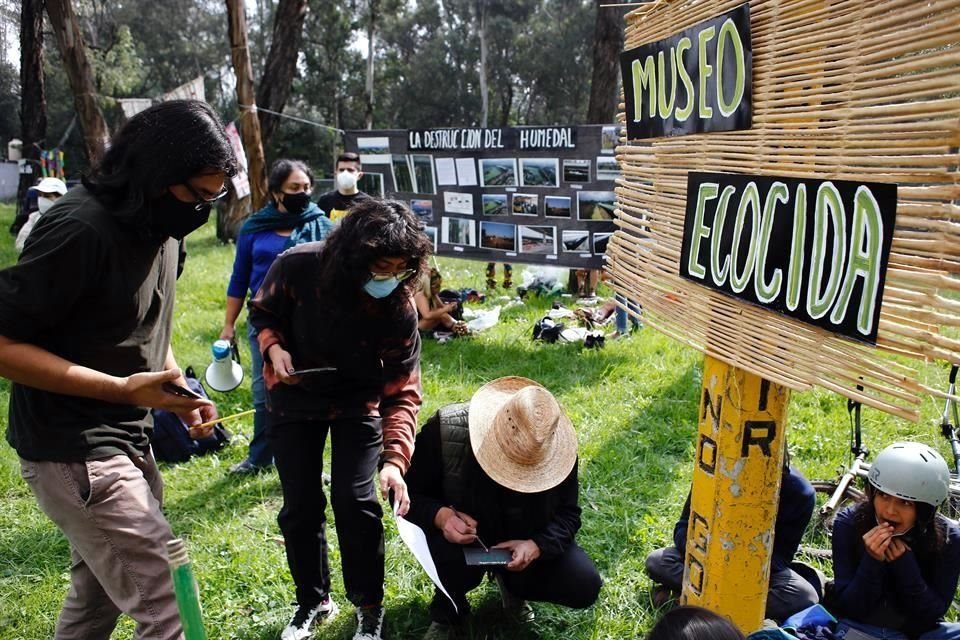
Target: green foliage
(118, 69)
(634, 404)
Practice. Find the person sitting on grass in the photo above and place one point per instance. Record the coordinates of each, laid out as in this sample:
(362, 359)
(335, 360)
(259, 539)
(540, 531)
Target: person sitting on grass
(896, 560)
(789, 592)
(500, 472)
(433, 313)
(694, 623)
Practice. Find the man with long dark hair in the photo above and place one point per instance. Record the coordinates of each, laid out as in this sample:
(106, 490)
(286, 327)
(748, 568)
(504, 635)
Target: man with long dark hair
(85, 325)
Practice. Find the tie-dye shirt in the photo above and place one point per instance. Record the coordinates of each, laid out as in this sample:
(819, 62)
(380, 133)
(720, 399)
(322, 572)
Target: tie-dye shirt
(376, 354)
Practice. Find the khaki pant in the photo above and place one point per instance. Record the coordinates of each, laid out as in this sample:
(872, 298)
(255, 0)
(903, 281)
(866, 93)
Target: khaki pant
(109, 510)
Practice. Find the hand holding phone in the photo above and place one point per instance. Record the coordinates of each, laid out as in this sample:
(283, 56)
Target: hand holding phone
(183, 392)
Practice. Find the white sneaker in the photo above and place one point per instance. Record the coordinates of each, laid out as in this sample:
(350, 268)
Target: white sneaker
(369, 623)
(304, 618)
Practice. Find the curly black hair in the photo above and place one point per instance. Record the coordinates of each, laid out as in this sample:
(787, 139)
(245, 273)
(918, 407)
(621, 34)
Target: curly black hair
(374, 229)
(164, 145)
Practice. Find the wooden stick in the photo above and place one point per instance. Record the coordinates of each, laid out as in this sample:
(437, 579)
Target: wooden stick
(223, 419)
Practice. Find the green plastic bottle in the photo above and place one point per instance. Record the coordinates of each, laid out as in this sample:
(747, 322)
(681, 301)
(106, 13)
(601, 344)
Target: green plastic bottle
(186, 590)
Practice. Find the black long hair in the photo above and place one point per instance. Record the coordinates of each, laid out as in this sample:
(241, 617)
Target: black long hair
(161, 146)
(374, 229)
(927, 536)
(280, 170)
(694, 623)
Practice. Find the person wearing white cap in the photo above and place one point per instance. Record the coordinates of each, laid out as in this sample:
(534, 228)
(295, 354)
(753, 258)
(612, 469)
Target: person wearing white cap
(896, 560)
(500, 472)
(48, 191)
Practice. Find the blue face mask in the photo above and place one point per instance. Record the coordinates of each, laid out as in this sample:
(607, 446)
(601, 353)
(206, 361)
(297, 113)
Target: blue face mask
(381, 288)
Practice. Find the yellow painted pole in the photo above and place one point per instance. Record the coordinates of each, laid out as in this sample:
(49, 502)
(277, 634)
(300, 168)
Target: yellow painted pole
(736, 488)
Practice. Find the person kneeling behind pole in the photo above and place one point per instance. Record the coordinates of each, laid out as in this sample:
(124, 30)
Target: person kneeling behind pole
(500, 472)
(789, 591)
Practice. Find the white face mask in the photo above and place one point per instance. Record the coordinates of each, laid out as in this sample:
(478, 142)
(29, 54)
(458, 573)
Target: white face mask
(347, 180)
(44, 203)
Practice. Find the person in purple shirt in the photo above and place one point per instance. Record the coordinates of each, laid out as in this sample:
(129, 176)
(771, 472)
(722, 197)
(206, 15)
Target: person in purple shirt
(896, 560)
(290, 218)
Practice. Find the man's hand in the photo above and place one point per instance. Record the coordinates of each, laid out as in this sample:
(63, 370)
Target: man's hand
(896, 549)
(206, 413)
(457, 527)
(524, 552)
(391, 479)
(228, 333)
(282, 363)
(877, 540)
(146, 390)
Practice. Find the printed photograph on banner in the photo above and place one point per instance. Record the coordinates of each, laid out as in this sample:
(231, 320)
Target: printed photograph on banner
(600, 243)
(608, 139)
(458, 231)
(455, 202)
(556, 207)
(576, 171)
(374, 150)
(423, 209)
(498, 172)
(403, 175)
(596, 206)
(494, 204)
(369, 183)
(525, 204)
(431, 232)
(423, 173)
(538, 240)
(607, 168)
(539, 172)
(575, 241)
(498, 236)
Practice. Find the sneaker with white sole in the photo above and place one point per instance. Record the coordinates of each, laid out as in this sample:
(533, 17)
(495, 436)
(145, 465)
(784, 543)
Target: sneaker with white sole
(369, 623)
(305, 617)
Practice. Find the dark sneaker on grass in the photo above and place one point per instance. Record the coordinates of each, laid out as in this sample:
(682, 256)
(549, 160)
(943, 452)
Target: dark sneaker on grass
(306, 617)
(661, 596)
(247, 467)
(369, 623)
(517, 609)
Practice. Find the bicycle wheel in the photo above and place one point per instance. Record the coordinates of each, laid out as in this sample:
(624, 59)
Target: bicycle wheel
(816, 545)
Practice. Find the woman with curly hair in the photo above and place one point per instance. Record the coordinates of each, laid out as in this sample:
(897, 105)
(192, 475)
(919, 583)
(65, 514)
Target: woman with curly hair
(337, 328)
(895, 558)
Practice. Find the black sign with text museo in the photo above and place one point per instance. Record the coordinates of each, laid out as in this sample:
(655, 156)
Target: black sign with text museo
(815, 250)
(535, 195)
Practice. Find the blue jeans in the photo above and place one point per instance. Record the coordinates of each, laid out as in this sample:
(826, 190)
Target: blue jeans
(620, 317)
(260, 453)
(943, 631)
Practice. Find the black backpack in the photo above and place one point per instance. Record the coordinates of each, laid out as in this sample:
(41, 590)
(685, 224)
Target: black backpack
(171, 439)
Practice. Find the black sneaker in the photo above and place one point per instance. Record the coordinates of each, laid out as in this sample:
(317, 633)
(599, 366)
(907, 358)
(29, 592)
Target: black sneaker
(369, 623)
(305, 617)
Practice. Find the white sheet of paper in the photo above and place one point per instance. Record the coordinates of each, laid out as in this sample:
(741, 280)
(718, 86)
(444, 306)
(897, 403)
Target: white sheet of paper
(446, 171)
(416, 541)
(466, 172)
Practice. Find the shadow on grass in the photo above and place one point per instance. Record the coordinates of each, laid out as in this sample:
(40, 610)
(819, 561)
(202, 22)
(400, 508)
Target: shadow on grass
(227, 494)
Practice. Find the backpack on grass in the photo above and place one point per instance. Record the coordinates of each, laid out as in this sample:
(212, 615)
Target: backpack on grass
(171, 438)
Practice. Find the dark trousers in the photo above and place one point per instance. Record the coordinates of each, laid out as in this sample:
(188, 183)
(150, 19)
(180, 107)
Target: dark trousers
(298, 456)
(570, 580)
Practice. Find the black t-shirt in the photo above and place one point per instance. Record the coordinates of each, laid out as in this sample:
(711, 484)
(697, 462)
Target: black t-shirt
(99, 293)
(336, 205)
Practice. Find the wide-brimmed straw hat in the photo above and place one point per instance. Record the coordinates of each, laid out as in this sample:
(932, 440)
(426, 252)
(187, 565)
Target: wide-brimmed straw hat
(520, 436)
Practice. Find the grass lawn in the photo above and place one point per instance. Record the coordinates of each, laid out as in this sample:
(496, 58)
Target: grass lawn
(634, 404)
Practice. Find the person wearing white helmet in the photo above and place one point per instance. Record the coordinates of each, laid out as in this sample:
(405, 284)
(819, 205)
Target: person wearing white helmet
(896, 560)
(48, 191)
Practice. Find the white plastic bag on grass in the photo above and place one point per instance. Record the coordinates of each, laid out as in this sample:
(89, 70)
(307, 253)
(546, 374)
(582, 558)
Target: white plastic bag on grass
(484, 320)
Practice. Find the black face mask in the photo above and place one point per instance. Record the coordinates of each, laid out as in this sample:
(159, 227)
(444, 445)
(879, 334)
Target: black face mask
(296, 203)
(174, 218)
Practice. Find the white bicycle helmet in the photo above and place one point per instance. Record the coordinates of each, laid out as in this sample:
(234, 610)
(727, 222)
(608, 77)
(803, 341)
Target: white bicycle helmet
(911, 471)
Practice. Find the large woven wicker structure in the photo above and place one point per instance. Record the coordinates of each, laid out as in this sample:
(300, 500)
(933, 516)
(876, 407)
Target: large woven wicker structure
(842, 89)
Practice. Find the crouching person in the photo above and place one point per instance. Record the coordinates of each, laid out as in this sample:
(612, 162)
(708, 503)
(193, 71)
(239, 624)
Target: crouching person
(501, 472)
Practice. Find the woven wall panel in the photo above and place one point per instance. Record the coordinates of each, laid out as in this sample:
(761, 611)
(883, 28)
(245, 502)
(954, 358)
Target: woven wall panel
(847, 90)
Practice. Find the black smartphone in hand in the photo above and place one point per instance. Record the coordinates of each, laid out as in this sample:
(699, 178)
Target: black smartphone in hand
(183, 392)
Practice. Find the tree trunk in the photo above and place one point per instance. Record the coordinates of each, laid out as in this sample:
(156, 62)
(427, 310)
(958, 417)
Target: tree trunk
(80, 73)
(249, 123)
(371, 35)
(33, 102)
(607, 45)
(484, 97)
(281, 64)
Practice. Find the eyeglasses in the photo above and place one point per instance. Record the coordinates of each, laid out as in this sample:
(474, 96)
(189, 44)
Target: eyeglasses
(203, 202)
(400, 275)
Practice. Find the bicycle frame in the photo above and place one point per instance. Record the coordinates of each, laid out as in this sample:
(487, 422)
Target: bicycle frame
(947, 427)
